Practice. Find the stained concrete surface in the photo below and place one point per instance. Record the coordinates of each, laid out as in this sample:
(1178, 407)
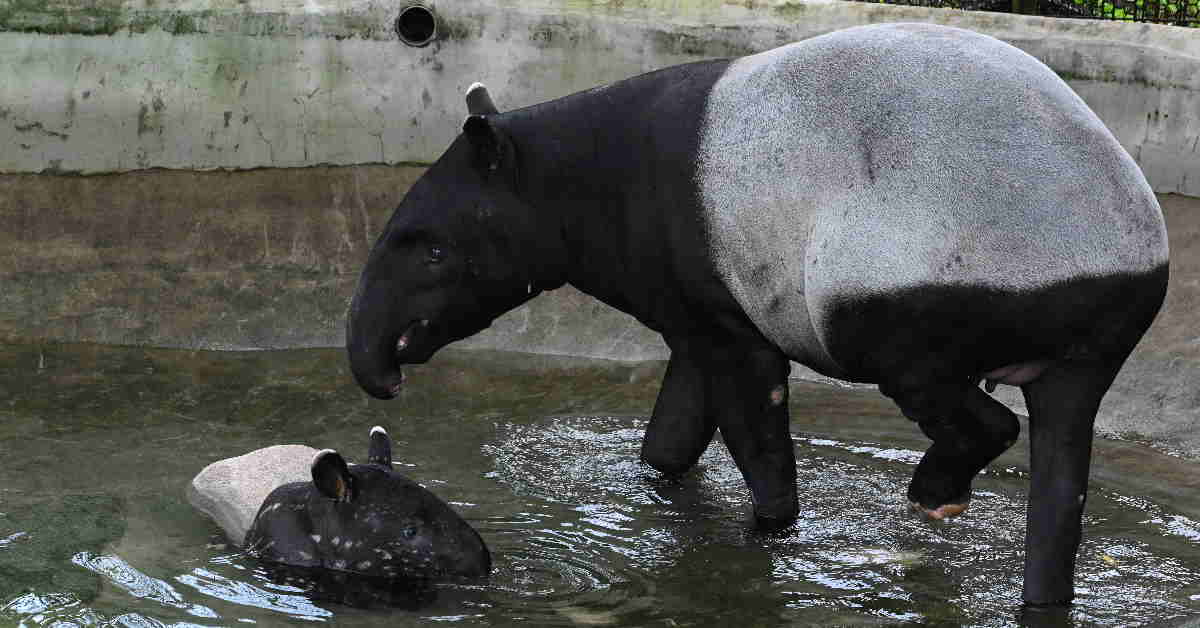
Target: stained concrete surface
(255, 259)
(122, 85)
(258, 259)
(269, 258)
(1155, 397)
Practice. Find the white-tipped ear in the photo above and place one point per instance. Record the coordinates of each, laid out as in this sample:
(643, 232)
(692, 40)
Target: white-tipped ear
(321, 455)
(331, 475)
(479, 102)
(379, 450)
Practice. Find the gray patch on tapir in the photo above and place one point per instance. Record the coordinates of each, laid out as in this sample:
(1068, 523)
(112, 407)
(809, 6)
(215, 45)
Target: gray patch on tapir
(895, 156)
(230, 491)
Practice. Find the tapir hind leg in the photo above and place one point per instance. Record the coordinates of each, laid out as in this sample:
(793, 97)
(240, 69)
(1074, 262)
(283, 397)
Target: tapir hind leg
(681, 425)
(964, 442)
(1062, 410)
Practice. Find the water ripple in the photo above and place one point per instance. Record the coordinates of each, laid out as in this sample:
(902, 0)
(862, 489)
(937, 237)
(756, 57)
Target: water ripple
(247, 594)
(138, 584)
(8, 540)
(66, 611)
(855, 550)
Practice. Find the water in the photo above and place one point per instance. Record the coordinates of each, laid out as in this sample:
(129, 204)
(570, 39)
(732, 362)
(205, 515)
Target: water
(97, 445)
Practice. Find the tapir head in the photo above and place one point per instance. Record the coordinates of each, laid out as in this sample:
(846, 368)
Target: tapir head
(366, 519)
(461, 249)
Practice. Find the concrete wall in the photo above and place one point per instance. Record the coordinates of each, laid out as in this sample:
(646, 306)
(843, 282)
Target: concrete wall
(94, 86)
(211, 173)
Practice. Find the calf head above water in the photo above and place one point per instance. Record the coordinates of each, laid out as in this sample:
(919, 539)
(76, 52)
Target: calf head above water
(365, 519)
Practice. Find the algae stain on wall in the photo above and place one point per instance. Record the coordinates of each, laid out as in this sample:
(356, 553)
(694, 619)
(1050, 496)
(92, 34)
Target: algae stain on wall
(113, 17)
(260, 83)
(93, 17)
(101, 17)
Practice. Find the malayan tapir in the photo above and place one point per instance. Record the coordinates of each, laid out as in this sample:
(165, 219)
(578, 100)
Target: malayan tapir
(365, 520)
(916, 206)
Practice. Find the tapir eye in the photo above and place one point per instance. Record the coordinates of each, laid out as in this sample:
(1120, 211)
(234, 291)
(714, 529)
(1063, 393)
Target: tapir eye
(436, 255)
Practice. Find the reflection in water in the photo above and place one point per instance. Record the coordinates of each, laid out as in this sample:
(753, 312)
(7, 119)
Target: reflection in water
(351, 589)
(891, 453)
(55, 610)
(138, 584)
(278, 599)
(16, 536)
(66, 611)
(855, 551)
(1178, 525)
(545, 466)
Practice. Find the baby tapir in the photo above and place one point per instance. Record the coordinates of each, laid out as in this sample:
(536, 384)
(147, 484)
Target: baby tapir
(365, 519)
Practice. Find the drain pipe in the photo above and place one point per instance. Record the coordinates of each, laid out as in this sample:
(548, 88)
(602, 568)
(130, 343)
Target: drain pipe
(417, 25)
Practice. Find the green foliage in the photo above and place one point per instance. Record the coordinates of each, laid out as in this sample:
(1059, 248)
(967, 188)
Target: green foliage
(1145, 10)
(1140, 10)
(1177, 12)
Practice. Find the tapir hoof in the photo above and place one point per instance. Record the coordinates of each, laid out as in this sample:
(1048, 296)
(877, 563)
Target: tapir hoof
(668, 463)
(945, 511)
(777, 514)
(1047, 614)
(937, 495)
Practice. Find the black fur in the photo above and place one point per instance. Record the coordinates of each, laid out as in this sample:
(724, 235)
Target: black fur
(950, 334)
(599, 190)
(365, 521)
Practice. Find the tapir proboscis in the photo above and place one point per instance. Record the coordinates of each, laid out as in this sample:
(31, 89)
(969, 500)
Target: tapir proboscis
(920, 207)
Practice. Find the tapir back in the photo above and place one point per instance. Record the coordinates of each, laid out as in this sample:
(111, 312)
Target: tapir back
(881, 159)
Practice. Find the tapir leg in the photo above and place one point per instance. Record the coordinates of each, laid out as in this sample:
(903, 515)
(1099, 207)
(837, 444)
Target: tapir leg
(1062, 409)
(963, 444)
(681, 426)
(748, 396)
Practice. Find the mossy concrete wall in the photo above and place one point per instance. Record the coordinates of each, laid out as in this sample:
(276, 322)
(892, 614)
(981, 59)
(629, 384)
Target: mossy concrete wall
(269, 258)
(255, 259)
(211, 173)
(95, 86)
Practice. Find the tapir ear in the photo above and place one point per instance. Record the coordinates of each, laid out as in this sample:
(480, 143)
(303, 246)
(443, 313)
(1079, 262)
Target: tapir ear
(479, 101)
(485, 140)
(380, 450)
(331, 475)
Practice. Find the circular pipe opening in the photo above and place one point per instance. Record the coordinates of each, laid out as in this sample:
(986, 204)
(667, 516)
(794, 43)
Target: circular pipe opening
(416, 25)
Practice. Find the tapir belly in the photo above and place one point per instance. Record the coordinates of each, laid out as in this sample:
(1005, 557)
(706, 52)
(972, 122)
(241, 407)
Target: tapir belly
(875, 175)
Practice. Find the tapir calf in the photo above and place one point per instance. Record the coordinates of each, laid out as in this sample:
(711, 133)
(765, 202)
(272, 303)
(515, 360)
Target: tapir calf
(365, 520)
(911, 205)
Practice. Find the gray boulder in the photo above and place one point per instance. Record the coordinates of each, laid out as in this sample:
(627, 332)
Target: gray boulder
(230, 491)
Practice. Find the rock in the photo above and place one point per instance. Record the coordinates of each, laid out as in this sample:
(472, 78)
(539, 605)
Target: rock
(231, 490)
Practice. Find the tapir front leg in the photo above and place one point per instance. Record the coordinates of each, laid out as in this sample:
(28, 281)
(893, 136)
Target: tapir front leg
(748, 396)
(681, 426)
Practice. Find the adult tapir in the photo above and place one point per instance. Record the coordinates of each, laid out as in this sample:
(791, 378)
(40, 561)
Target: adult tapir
(911, 205)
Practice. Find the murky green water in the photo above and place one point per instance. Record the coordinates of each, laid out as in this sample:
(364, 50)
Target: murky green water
(97, 445)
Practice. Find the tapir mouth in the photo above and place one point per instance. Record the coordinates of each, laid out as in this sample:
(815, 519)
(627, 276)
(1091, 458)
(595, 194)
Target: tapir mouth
(408, 348)
(408, 338)
(411, 346)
